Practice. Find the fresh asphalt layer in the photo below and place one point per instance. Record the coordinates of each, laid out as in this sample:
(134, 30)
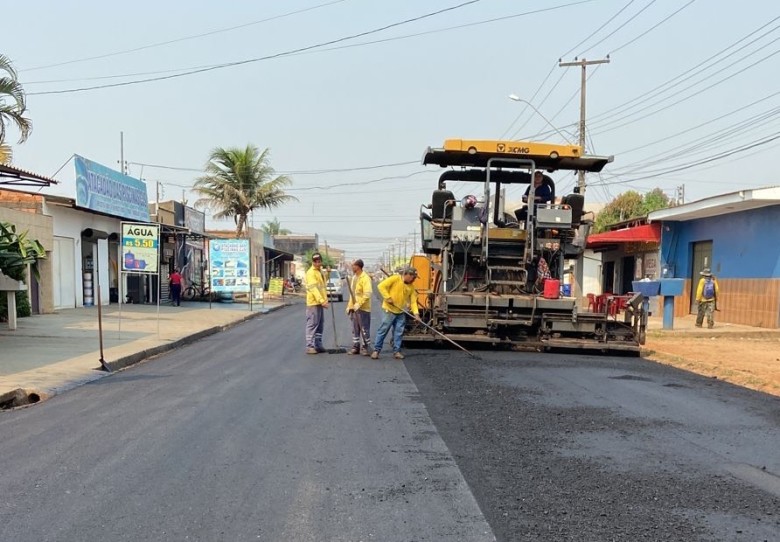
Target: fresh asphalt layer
(585, 448)
(240, 436)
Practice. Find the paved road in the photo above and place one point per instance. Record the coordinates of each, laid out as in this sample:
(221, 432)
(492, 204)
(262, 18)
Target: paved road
(243, 437)
(238, 437)
(580, 448)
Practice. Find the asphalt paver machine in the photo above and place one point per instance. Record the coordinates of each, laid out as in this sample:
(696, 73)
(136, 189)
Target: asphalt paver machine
(491, 276)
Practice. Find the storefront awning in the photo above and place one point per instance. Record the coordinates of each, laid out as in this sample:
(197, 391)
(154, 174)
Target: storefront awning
(648, 233)
(278, 255)
(18, 177)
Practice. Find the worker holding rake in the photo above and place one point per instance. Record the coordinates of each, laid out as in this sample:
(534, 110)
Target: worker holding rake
(359, 308)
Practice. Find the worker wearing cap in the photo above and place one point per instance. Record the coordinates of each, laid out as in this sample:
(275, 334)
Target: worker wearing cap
(707, 298)
(398, 292)
(316, 301)
(359, 308)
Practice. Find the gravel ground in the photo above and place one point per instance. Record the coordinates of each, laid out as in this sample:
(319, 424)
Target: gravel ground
(561, 447)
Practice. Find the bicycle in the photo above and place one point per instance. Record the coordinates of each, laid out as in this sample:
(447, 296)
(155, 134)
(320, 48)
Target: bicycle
(198, 290)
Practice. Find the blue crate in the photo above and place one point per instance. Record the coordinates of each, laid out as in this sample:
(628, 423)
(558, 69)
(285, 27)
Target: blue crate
(647, 288)
(672, 286)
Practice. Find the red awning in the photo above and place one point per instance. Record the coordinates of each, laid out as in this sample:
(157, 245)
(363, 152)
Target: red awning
(648, 233)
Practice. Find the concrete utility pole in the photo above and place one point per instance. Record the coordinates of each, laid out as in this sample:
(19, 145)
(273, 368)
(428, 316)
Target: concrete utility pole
(122, 163)
(584, 64)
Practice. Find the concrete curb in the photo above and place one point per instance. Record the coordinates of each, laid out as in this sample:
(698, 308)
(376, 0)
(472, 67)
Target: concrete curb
(133, 359)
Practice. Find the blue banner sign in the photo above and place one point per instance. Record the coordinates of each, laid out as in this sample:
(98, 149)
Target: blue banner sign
(107, 191)
(229, 265)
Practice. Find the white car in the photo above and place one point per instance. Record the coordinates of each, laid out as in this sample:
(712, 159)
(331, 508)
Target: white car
(334, 286)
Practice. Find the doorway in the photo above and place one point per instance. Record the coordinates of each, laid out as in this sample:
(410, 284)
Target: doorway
(627, 276)
(702, 257)
(608, 278)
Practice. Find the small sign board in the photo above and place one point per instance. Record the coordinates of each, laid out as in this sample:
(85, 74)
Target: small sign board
(140, 247)
(229, 265)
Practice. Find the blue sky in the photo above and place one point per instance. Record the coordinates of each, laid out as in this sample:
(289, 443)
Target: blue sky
(384, 103)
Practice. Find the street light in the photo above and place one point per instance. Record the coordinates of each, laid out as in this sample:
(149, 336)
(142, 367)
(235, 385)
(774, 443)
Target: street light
(516, 98)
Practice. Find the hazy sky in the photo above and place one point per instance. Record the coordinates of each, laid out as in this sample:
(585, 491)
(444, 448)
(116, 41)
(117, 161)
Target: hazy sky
(345, 106)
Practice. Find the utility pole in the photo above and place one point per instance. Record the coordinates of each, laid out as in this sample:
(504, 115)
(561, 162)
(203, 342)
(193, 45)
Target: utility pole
(405, 258)
(584, 64)
(122, 163)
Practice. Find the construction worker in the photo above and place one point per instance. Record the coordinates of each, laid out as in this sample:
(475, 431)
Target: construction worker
(397, 292)
(316, 301)
(707, 298)
(359, 308)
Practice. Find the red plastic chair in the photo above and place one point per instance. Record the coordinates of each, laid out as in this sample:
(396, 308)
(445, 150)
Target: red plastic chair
(592, 302)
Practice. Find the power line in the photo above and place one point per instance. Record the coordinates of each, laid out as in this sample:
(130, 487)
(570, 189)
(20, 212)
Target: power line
(291, 172)
(681, 100)
(184, 38)
(326, 49)
(619, 109)
(262, 58)
(634, 16)
(656, 25)
(667, 138)
(713, 158)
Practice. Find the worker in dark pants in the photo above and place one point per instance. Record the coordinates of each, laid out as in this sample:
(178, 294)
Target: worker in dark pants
(175, 284)
(707, 298)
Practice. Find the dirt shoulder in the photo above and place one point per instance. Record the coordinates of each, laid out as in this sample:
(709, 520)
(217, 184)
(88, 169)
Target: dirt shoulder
(752, 360)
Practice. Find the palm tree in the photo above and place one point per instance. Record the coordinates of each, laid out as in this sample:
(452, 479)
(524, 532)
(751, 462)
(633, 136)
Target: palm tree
(274, 227)
(12, 103)
(238, 181)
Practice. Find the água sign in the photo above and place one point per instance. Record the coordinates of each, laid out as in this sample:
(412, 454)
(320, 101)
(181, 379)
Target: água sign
(140, 247)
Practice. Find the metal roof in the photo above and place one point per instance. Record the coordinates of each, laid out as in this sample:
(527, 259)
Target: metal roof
(733, 202)
(14, 176)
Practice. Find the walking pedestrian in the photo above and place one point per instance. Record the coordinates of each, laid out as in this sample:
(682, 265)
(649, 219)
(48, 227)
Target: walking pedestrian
(398, 292)
(707, 298)
(174, 281)
(316, 301)
(359, 307)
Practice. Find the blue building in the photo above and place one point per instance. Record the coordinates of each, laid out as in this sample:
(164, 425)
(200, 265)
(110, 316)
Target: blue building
(736, 235)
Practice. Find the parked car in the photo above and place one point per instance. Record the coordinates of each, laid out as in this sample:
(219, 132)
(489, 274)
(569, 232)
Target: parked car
(335, 286)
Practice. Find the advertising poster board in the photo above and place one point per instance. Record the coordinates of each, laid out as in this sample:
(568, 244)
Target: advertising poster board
(229, 265)
(140, 248)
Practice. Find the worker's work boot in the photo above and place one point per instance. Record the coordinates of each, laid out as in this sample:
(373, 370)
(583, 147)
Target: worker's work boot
(354, 351)
(363, 352)
(311, 351)
(398, 355)
(320, 350)
(375, 354)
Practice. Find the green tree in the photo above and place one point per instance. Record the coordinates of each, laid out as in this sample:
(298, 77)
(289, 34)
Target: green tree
(13, 106)
(629, 205)
(17, 251)
(273, 227)
(238, 181)
(327, 261)
(654, 200)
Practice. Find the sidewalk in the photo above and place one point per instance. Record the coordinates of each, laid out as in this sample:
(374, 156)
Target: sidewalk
(686, 327)
(743, 355)
(51, 353)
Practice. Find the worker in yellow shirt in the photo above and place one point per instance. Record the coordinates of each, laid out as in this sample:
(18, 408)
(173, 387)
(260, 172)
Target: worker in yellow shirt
(398, 292)
(359, 308)
(707, 292)
(316, 301)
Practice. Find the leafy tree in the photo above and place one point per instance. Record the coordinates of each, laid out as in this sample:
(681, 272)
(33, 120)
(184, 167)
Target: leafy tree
(13, 105)
(17, 251)
(327, 261)
(273, 227)
(630, 205)
(654, 200)
(238, 181)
